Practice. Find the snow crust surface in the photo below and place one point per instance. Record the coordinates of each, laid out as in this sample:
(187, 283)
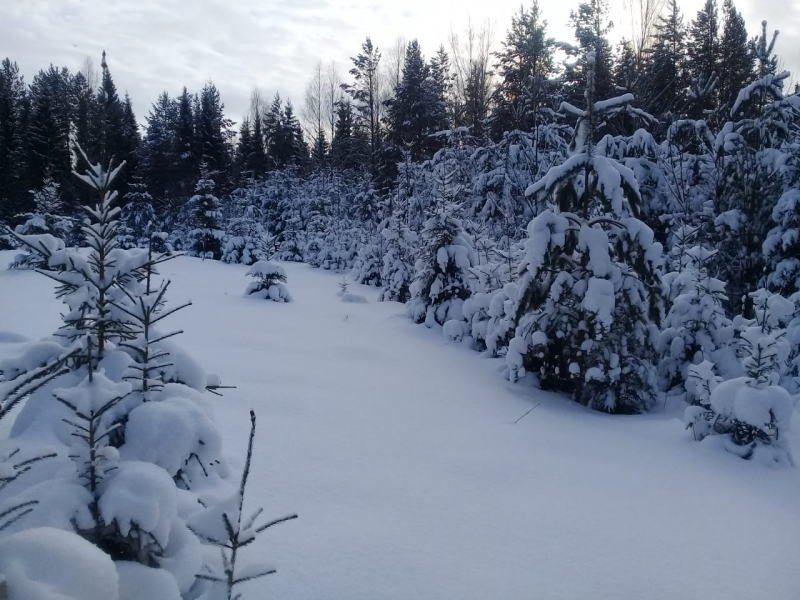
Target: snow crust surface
(398, 450)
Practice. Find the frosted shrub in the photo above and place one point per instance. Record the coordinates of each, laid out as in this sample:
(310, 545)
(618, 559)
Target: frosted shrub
(441, 281)
(397, 267)
(270, 282)
(696, 327)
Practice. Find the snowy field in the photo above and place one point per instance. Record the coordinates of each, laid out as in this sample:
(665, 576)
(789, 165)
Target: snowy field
(400, 453)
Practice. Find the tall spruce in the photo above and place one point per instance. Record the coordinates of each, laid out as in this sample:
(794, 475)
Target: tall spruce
(736, 58)
(524, 65)
(703, 50)
(365, 91)
(592, 27)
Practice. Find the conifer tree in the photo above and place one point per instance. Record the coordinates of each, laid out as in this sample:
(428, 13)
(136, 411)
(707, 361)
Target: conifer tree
(703, 47)
(762, 48)
(366, 95)
(206, 236)
(416, 111)
(160, 164)
(138, 216)
(590, 299)
(525, 64)
(441, 273)
(736, 59)
(666, 80)
(212, 130)
(592, 26)
(188, 159)
(13, 108)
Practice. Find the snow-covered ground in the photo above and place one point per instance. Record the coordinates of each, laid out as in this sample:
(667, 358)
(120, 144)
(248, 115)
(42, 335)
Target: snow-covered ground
(400, 453)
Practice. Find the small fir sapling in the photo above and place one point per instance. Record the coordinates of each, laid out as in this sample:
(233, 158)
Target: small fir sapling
(109, 417)
(270, 282)
(224, 525)
(343, 285)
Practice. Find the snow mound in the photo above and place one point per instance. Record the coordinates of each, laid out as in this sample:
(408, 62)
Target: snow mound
(51, 564)
(141, 495)
(138, 582)
(9, 337)
(454, 330)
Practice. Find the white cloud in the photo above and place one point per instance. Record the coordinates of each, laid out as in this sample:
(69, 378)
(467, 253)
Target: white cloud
(154, 45)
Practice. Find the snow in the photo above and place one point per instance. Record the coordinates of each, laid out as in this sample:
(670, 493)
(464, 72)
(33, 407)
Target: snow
(140, 495)
(51, 564)
(399, 453)
(138, 582)
(353, 298)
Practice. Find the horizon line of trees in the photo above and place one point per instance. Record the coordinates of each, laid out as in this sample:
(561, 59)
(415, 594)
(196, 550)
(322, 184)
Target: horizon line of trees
(393, 109)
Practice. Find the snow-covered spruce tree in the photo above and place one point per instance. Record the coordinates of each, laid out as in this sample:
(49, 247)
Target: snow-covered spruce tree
(590, 297)
(137, 217)
(488, 278)
(44, 232)
(269, 282)
(782, 246)
(338, 249)
(441, 273)
(49, 216)
(225, 526)
(246, 240)
(397, 268)
(753, 412)
(756, 159)
(290, 240)
(121, 408)
(696, 328)
(206, 235)
(367, 267)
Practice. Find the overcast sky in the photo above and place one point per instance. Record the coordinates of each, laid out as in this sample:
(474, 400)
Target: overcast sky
(156, 45)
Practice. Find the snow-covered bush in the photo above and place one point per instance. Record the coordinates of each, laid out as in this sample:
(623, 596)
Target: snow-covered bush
(246, 240)
(368, 263)
(137, 217)
(441, 273)
(49, 217)
(37, 250)
(696, 327)
(44, 563)
(397, 267)
(487, 280)
(454, 330)
(782, 246)
(338, 250)
(751, 412)
(270, 282)
(502, 323)
(291, 241)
